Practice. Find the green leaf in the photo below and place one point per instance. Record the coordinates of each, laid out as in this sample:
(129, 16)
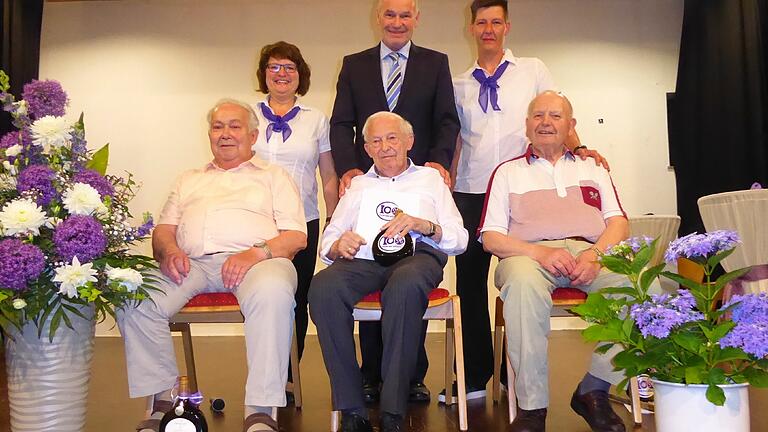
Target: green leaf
(647, 277)
(5, 81)
(642, 258)
(691, 342)
(724, 279)
(729, 354)
(616, 264)
(627, 291)
(715, 259)
(756, 377)
(693, 286)
(100, 160)
(716, 395)
(694, 375)
(608, 332)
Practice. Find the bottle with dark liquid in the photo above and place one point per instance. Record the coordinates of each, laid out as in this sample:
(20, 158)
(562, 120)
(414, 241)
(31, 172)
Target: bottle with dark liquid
(389, 250)
(185, 416)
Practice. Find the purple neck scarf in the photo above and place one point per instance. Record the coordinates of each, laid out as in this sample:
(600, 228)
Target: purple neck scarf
(488, 86)
(278, 123)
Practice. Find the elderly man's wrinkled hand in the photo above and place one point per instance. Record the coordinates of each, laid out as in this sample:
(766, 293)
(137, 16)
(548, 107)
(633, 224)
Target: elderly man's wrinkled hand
(348, 245)
(175, 265)
(587, 268)
(235, 268)
(404, 223)
(557, 261)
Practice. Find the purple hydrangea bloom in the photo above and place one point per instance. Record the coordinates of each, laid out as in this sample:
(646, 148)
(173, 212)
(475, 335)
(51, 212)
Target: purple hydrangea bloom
(664, 312)
(750, 308)
(39, 178)
(19, 263)
(95, 180)
(629, 247)
(750, 337)
(44, 98)
(701, 246)
(80, 236)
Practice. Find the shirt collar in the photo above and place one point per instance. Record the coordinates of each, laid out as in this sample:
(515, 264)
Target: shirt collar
(508, 56)
(384, 50)
(298, 103)
(530, 157)
(254, 163)
(373, 174)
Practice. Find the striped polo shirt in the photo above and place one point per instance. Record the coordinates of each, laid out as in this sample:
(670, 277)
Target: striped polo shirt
(530, 199)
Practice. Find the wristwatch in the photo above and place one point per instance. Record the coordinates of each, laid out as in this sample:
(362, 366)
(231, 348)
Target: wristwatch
(432, 229)
(261, 244)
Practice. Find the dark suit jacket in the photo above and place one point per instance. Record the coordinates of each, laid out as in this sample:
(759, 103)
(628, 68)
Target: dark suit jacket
(426, 100)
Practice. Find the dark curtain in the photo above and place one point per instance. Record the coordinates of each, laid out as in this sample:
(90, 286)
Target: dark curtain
(718, 115)
(20, 51)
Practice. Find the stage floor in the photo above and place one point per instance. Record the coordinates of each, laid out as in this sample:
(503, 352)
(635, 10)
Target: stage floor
(221, 371)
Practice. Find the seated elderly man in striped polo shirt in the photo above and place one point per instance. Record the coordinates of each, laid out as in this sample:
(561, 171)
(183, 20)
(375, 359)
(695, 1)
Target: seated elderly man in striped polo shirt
(547, 216)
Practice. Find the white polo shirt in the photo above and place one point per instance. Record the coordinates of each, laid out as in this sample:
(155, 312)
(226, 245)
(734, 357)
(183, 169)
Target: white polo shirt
(530, 199)
(300, 154)
(217, 210)
(435, 204)
(492, 137)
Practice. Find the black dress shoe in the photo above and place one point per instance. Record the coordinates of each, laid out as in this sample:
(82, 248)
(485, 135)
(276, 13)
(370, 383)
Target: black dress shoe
(371, 391)
(355, 423)
(529, 421)
(418, 393)
(391, 422)
(596, 410)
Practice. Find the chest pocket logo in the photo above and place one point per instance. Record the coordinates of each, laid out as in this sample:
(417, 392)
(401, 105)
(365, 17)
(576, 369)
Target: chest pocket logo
(591, 197)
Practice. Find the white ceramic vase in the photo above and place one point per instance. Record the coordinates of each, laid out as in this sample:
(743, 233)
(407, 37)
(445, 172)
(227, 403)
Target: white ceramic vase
(684, 407)
(48, 381)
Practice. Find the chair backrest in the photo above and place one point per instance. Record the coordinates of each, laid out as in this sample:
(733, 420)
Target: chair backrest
(747, 213)
(663, 227)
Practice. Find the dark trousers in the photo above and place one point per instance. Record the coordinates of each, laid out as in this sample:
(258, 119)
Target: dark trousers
(371, 348)
(472, 287)
(304, 261)
(405, 290)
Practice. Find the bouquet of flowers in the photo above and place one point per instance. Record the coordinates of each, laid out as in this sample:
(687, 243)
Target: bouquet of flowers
(64, 224)
(682, 337)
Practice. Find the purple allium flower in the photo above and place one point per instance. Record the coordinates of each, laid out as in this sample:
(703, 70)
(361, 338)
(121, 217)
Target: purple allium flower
(750, 337)
(12, 138)
(701, 246)
(19, 263)
(45, 98)
(80, 236)
(95, 180)
(664, 312)
(39, 178)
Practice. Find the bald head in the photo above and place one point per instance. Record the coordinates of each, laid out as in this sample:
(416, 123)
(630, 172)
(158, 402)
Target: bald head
(552, 94)
(549, 123)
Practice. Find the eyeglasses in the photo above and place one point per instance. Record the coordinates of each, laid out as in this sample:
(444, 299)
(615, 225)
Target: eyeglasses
(275, 67)
(390, 139)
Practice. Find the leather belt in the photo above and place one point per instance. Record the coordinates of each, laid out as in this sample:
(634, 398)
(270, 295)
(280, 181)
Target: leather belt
(579, 238)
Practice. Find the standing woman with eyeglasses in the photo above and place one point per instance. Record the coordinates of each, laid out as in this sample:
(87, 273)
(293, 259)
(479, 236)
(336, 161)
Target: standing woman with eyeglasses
(295, 137)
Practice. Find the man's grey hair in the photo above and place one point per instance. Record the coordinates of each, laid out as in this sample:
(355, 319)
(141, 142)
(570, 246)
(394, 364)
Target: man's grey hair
(253, 121)
(415, 5)
(405, 126)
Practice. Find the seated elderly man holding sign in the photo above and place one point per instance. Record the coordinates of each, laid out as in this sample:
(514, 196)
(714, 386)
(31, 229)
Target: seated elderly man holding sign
(392, 231)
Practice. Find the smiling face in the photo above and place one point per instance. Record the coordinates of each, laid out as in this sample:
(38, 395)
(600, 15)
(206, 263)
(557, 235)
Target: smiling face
(283, 82)
(231, 139)
(549, 122)
(387, 144)
(489, 29)
(397, 19)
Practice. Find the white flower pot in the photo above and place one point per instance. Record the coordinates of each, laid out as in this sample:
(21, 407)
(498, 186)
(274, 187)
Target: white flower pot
(682, 407)
(48, 381)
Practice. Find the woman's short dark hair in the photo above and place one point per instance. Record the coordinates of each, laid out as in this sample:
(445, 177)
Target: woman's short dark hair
(284, 51)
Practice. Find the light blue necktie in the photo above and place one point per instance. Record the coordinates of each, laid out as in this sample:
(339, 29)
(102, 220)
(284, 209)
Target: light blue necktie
(394, 80)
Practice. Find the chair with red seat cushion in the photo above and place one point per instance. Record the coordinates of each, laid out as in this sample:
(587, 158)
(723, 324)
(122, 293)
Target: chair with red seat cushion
(442, 306)
(220, 308)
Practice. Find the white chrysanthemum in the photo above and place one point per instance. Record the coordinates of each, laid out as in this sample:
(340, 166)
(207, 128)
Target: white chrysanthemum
(19, 303)
(13, 150)
(83, 199)
(129, 278)
(50, 132)
(22, 216)
(73, 276)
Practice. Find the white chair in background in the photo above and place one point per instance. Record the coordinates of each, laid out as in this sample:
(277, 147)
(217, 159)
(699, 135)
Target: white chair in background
(662, 227)
(747, 213)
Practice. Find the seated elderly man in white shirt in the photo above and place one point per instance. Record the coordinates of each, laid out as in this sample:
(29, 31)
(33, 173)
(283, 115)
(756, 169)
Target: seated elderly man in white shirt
(427, 213)
(230, 226)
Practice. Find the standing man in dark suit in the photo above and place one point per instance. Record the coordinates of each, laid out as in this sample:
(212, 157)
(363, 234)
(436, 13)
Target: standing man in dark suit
(414, 82)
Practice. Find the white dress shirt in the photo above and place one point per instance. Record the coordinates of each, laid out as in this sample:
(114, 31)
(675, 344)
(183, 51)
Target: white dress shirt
(435, 204)
(300, 154)
(492, 137)
(217, 210)
(386, 63)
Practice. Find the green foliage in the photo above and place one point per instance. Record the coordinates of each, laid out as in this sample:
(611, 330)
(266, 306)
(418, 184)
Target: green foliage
(99, 160)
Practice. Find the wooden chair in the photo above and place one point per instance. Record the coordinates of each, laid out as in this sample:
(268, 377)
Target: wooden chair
(220, 308)
(442, 306)
(562, 300)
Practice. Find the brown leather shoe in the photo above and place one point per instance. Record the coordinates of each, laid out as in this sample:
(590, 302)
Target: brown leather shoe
(597, 411)
(529, 420)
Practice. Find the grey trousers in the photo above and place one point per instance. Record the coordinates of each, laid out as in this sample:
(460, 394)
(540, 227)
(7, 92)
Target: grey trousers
(526, 290)
(405, 289)
(266, 298)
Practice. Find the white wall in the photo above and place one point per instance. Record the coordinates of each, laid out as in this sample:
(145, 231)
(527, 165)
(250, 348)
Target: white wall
(146, 71)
